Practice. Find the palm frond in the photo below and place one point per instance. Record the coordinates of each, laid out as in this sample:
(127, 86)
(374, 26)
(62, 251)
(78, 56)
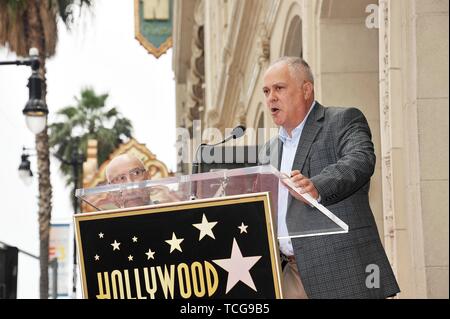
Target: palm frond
(111, 113)
(68, 112)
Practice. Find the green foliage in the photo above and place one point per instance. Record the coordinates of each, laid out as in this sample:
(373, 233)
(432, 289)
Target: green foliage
(19, 17)
(88, 119)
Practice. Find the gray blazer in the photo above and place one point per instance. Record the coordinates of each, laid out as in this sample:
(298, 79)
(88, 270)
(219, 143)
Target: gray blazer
(336, 152)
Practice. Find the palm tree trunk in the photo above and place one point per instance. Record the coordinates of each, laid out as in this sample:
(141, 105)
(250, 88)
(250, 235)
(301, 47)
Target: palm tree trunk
(45, 208)
(43, 160)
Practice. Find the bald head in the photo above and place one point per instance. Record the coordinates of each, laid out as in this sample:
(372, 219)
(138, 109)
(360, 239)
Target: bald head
(124, 168)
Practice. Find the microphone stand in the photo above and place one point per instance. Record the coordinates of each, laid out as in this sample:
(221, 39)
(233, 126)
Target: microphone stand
(195, 170)
(196, 164)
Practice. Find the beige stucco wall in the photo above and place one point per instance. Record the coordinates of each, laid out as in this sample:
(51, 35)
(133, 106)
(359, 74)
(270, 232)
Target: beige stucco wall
(432, 112)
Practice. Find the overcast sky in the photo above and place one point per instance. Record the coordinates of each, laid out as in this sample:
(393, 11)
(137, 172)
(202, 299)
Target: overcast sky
(100, 52)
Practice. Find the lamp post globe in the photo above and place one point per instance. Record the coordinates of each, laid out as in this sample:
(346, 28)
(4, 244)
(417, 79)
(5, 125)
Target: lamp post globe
(35, 110)
(25, 172)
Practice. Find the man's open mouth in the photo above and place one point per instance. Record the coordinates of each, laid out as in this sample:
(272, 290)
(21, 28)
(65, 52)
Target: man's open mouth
(274, 109)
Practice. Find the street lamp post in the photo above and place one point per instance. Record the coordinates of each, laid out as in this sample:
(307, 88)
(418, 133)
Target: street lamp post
(35, 110)
(25, 173)
(76, 163)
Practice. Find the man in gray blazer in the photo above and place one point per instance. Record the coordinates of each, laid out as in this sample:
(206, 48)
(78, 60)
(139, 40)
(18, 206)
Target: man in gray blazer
(329, 154)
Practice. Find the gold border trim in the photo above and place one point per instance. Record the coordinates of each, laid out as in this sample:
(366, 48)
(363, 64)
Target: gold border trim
(229, 200)
(157, 52)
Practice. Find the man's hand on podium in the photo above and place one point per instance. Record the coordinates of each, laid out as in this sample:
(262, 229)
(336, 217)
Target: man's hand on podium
(303, 184)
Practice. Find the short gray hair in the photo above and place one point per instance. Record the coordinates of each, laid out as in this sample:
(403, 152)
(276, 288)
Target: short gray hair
(296, 66)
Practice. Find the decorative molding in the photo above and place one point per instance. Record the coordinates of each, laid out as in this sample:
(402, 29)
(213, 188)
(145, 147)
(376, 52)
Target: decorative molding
(240, 39)
(386, 135)
(240, 114)
(199, 12)
(196, 76)
(252, 84)
(271, 15)
(212, 118)
(263, 45)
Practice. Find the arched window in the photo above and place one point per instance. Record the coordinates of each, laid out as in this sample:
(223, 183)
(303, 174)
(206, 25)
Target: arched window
(293, 44)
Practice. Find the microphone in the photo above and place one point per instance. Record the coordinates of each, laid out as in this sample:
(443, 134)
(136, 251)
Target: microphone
(237, 132)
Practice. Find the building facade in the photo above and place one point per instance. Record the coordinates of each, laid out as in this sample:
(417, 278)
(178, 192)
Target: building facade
(388, 58)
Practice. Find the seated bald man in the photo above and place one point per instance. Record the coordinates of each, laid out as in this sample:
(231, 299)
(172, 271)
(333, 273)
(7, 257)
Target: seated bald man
(127, 168)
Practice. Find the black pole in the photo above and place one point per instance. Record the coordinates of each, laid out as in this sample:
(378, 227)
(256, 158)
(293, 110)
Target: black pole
(54, 266)
(75, 211)
(76, 162)
(17, 62)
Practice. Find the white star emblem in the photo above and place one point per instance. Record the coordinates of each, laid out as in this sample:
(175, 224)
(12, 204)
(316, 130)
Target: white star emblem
(243, 228)
(97, 257)
(101, 235)
(238, 267)
(174, 243)
(115, 245)
(205, 228)
(130, 258)
(150, 254)
(134, 239)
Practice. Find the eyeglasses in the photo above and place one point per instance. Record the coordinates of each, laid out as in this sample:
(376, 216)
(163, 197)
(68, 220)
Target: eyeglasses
(133, 175)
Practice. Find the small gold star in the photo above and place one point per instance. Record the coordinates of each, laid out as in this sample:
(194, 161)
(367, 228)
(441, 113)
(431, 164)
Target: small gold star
(115, 245)
(243, 228)
(134, 239)
(101, 235)
(97, 257)
(130, 258)
(150, 254)
(174, 243)
(205, 228)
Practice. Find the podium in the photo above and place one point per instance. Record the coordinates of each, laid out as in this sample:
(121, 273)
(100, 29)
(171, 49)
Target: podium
(208, 235)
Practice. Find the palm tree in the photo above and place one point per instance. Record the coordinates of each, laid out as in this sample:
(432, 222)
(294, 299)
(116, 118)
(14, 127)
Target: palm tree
(25, 24)
(88, 119)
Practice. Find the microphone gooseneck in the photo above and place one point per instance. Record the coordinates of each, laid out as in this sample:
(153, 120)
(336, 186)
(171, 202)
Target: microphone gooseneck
(237, 132)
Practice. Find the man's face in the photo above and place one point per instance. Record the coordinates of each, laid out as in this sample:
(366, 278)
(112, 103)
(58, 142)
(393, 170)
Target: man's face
(286, 96)
(127, 169)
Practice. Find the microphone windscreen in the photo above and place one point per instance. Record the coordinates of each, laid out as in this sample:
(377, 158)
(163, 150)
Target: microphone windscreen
(238, 131)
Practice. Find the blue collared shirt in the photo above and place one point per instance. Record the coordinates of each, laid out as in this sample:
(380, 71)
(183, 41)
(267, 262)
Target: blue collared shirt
(290, 144)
